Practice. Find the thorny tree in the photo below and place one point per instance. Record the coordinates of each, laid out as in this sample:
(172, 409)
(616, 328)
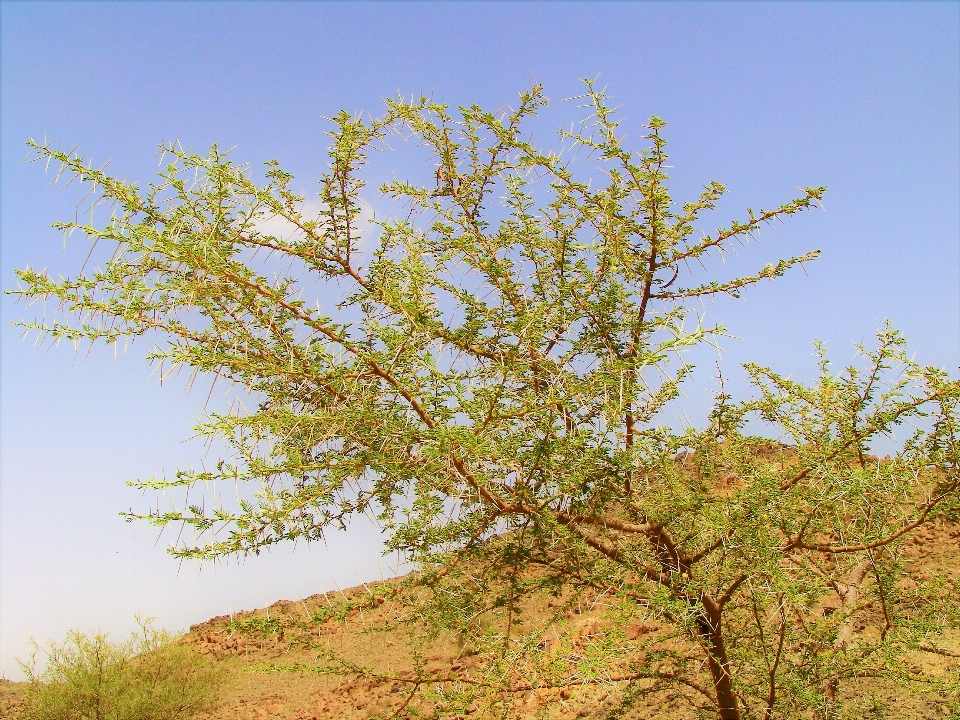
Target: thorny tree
(492, 386)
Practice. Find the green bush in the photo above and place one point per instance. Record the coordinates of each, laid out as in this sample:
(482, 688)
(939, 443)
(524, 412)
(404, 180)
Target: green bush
(148, 677)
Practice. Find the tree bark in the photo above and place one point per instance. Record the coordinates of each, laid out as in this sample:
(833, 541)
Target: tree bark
(849, 593)
(712, 635)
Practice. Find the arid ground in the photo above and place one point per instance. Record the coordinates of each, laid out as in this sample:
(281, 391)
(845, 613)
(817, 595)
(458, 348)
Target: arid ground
(287, 634)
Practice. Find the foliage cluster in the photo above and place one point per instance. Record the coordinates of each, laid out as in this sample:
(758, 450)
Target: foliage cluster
(492, 384)
(337, 610)
(148, 677)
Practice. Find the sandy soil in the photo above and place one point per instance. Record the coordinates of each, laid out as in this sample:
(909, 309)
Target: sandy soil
(286, 635)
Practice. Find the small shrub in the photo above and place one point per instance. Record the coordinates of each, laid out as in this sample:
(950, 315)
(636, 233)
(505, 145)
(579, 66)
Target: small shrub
(148, 677)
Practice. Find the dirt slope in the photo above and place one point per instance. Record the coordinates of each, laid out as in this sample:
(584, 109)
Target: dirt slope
(287, 634)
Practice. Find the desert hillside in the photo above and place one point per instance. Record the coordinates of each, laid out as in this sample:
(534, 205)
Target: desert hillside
(266, 655)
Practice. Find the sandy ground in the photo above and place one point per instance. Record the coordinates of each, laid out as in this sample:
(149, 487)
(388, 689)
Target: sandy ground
(287, 634)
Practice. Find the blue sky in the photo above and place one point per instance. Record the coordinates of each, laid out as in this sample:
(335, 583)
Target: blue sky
(861, 97)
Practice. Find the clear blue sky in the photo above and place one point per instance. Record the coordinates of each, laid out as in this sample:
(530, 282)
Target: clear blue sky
(862, 97)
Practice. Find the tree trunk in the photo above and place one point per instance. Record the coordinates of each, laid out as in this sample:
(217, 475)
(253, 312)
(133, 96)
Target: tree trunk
(712, 634)
(849, 593)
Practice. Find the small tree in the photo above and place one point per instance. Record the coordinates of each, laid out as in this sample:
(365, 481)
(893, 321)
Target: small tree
(492, 386)
(148, 677)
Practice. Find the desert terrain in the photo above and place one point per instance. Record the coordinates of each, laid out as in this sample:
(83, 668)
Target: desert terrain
(265, 657)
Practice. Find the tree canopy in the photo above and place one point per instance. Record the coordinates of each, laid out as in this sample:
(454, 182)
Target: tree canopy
(492, 388)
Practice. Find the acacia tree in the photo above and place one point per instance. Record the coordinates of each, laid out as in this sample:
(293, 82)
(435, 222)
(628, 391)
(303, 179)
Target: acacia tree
(149, 677)
(492, 387)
